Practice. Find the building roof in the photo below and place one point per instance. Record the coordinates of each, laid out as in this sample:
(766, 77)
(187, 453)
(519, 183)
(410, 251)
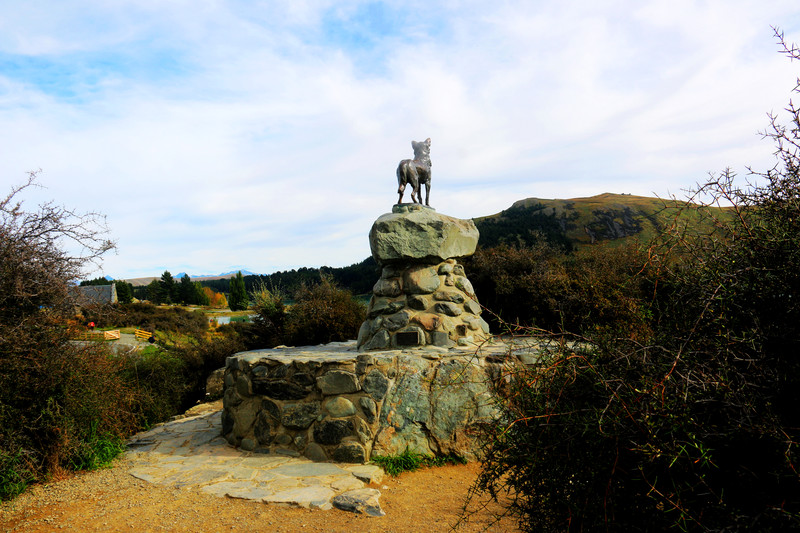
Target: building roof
(97, 294)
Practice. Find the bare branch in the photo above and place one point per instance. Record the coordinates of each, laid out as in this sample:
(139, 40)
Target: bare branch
(44, 251)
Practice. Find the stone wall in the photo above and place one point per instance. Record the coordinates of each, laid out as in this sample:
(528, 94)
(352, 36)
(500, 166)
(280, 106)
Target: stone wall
(332, 403)
(422, 304)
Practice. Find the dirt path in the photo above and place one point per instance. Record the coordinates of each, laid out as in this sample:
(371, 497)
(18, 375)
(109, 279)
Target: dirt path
(429, 500)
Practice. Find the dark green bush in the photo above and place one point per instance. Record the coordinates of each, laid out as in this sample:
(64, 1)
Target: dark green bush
(61, 405)
(16, 473)
(267, 328)
(521, 285)
(323, 313)
(159, 377)
(200, 358)
(609, 291)
(170, 377)
(590, 290)
(629, 437)
(169, 380)
(68, 405)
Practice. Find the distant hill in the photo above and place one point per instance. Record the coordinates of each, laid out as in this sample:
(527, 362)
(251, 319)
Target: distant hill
(225, 275)
(139, 282)
(582, 221)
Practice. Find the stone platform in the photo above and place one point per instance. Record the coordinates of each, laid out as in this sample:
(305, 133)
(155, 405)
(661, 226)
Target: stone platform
(191, 454)
(332, 403)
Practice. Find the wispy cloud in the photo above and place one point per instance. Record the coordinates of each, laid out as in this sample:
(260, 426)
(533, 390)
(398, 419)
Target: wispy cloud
(217, 134)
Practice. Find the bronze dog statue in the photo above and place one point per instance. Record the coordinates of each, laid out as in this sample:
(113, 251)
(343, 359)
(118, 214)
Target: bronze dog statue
(416, 172)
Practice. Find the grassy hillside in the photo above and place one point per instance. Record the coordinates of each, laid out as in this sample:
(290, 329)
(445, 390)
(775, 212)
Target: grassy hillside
(582, 221)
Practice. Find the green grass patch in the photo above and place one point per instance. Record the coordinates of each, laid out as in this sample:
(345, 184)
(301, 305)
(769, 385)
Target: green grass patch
(408, 461)
(98, 451)
(151, 350)
(14, 476)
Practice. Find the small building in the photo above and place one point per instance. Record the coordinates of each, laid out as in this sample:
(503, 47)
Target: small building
(88, 295)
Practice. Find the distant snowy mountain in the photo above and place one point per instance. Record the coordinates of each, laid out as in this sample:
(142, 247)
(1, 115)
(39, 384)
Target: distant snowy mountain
(234, 272)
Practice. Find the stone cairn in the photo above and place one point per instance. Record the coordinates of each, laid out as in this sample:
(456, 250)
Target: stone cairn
(419, 380)
(423, 296)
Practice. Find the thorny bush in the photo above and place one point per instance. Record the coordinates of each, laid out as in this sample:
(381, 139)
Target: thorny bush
(697, 428)
(56, 398)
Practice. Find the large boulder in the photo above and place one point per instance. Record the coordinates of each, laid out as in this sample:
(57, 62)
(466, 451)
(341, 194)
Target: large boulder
(414, 234)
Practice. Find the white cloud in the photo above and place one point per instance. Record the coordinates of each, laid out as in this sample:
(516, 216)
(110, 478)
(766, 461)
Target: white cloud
(266, 134)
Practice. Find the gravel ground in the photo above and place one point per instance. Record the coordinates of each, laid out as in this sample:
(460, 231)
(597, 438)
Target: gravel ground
(429, 500)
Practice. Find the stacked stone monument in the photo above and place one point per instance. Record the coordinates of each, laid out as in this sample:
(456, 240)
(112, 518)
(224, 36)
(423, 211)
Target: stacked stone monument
(423, 378)
(423, 296)
(421, 381)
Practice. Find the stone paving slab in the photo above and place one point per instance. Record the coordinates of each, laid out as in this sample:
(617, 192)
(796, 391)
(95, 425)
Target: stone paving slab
(190, 453)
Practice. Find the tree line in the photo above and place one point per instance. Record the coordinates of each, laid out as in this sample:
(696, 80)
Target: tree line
(357, 278)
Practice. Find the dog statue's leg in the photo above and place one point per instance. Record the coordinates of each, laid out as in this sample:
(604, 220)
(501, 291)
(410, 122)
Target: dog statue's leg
(413, 180)
(401, 182)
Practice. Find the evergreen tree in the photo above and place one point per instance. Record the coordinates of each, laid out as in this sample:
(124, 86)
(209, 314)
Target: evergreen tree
(187, 294)
(200, 296)
(153, 291)
(124, 292)
(139, 292)
(168, 288)
(238, 297)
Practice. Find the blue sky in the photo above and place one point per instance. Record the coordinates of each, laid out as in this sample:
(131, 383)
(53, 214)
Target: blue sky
(218, 135)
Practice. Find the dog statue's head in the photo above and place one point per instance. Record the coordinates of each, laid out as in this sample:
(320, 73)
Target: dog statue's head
(422, 150)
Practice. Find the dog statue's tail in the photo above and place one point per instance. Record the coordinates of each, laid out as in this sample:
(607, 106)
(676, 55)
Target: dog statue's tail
(402, 177)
